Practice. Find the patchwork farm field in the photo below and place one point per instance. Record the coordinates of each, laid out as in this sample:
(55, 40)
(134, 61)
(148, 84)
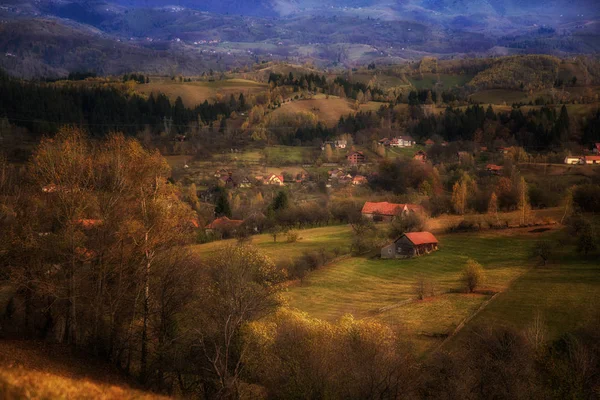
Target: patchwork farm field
(366, 288)
(383, 290)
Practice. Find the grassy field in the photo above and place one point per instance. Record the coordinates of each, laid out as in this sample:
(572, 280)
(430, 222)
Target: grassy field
(499, 96)
(310, 239)
(363, 287)
(328, 110)
(38, 370)
(566, 293)
(194, 93)
(428, 81)
(290, 154)
(403, 152)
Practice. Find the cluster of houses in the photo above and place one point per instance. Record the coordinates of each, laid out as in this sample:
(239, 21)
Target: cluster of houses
(341, 176)
(226, 178)
(399, 141)
(412, 244)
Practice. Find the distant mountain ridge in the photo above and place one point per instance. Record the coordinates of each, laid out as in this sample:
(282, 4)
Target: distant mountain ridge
(453, 7)
(185, 36)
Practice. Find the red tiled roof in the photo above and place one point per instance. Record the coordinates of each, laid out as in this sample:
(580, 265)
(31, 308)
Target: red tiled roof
(88, 223)
(592, 158)
(494, 167)
(429, 141)
(383, 208)
(418, 238)
(224, 222)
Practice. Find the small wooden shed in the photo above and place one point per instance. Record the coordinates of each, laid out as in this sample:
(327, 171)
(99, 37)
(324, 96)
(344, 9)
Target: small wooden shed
(412, 244)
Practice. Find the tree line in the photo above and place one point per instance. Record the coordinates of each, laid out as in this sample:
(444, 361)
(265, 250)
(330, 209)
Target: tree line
(44, 108)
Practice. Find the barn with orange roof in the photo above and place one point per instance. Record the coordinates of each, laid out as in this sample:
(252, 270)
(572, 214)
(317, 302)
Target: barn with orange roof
(412, 244)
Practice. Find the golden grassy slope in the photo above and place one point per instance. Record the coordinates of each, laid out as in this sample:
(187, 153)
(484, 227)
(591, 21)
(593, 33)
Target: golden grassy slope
(37, 370)
(194, 93)
(328, 110)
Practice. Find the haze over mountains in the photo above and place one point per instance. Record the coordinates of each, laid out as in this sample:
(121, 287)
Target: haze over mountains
(185, 36)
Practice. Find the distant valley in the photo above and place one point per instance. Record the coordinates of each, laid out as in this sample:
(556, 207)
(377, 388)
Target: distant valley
(184, 37)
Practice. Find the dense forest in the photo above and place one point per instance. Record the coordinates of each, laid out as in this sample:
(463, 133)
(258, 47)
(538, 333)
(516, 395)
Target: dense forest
(44, 107)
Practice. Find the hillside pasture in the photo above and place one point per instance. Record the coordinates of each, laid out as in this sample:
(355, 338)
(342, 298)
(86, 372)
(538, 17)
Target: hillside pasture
(370, 288)
(194, 93)
(499, 96)
(328, 110)
(447, 81)
(564, 294)
(314, 239)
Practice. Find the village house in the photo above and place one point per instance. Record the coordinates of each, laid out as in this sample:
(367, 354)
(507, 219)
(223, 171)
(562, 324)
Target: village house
(384, 211)
(411, 244)
(226, 180)
(276, 180)
(592, 160)
(341, 144)
(222, 225)
(384, 142)
(494, 169)
(356, 157)
(429, 142)
(337, 144)
(336, 173)
(420, 156)
(574, 160)
(359, 180)
(402, 141)
(245, 183)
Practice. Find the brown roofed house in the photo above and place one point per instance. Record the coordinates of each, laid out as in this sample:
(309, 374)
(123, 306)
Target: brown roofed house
(410, 244)
(223, 225)
(356, 157)
(385, 211)
(494, 169)
(420, 156)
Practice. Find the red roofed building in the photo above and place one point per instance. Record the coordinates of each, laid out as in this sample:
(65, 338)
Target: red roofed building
(385, 211)
(223, 225)
(411, 244)
(273, 179)
(494, 169)
(429, 142)
(356, 157)
(88, 223)
(420, 156)
(359, 180)
(592, 159)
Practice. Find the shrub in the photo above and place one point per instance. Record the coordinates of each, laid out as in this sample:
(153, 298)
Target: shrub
(423, 288)
(292, 236)
(463, 226)
(473, 275)
(543, 250)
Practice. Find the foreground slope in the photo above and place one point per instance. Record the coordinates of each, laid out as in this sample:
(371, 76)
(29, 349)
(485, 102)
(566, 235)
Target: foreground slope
(38, 370)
